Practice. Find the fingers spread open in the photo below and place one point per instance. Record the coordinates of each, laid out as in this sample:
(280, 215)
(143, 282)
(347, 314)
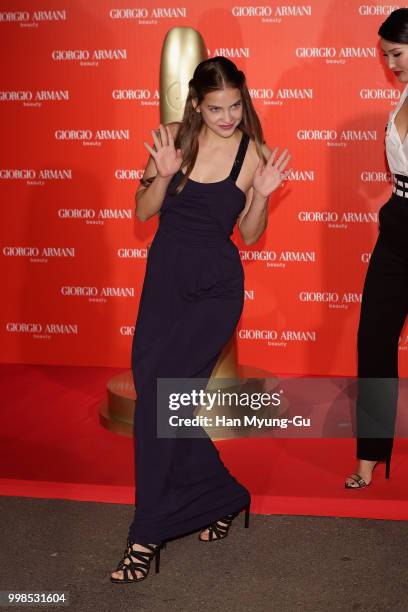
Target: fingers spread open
(281, 158)
(163, 136)
(170, 138)
(155, 139)
(272, 156)
(284, 163)
(149, 148)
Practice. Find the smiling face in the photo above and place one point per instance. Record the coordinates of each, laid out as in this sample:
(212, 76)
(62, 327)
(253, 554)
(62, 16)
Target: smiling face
(221, 110)
(396, 56)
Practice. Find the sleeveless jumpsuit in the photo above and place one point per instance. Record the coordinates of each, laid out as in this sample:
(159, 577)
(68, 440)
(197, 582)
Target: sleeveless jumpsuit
(384, 309)
(191, 302)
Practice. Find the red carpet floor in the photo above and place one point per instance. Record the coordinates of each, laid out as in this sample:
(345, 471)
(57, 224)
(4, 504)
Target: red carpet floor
(52, 446)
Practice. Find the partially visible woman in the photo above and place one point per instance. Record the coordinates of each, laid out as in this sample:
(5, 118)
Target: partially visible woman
(385, 297)
(203, 175)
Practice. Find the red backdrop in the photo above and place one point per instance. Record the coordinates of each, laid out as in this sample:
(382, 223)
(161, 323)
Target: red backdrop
(78, 98)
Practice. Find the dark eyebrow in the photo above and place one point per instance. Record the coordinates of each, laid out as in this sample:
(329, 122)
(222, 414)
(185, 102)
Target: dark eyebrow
(215, 105)
(391, 50)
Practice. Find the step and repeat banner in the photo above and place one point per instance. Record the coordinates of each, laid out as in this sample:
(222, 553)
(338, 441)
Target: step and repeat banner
(79, 95)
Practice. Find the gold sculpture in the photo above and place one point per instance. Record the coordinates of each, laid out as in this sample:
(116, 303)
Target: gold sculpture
(183, 49)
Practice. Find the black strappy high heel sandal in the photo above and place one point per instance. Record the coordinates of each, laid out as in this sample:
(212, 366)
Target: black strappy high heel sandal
(361, 483)
(219, 529)
(139, 561)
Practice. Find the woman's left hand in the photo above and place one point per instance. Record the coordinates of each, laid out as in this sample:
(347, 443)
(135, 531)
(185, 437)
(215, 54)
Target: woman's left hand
(269, 176)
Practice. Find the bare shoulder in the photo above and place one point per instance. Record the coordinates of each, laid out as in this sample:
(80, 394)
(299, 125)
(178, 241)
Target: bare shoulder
(250, 164)
(253, 151)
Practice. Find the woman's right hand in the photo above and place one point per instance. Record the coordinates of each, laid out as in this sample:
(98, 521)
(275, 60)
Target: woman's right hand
(168, 160)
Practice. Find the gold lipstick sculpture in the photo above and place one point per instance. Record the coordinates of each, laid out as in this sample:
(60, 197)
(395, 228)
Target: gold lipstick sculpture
(183, 49)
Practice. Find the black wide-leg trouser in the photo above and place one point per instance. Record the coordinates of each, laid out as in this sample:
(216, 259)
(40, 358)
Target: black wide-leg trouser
(383, 311)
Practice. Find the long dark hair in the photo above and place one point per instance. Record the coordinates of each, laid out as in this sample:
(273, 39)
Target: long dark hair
(211, 75)
(395, 27)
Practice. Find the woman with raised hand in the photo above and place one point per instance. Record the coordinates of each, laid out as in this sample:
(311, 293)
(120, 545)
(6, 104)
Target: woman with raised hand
(202, 176)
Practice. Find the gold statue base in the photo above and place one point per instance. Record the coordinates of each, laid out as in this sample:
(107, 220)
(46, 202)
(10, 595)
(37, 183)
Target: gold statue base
(116, 414)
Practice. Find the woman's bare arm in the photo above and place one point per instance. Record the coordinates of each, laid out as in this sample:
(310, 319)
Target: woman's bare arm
(254, 218)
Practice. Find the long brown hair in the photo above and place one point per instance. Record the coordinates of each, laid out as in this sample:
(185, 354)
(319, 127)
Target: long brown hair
(211, 75)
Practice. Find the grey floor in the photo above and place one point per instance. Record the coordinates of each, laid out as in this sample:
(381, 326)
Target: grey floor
(281, 563)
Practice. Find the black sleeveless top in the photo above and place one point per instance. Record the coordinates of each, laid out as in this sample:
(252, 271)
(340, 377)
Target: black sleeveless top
(204, 212)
